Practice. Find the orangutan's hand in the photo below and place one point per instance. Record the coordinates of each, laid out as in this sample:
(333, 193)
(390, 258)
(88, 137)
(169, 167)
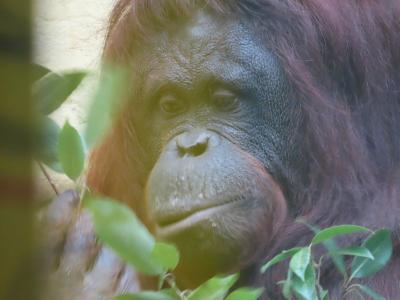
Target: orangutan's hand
(75, 266)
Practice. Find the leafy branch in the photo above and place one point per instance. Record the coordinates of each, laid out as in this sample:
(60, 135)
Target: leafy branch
(303, 279)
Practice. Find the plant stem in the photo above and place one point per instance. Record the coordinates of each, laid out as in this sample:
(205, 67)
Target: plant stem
(48, 178)
(161, 280)
(318, 266)
(355, 290)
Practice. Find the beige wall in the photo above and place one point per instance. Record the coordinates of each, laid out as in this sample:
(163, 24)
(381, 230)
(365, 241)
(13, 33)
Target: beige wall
(69, 34)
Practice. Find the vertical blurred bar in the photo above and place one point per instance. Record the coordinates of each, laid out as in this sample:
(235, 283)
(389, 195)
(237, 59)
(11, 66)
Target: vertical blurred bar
(16, 127)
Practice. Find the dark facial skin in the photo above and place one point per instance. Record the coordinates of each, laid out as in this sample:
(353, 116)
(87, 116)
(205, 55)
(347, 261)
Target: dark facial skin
(212, 111)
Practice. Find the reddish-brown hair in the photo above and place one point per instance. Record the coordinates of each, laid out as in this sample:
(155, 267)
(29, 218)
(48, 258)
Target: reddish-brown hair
(343, 61)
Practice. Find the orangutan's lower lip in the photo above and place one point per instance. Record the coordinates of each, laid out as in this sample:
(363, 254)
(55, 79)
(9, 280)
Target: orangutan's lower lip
(190, 220)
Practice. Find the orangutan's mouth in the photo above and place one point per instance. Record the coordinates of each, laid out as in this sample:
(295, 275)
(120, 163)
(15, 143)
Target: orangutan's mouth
(187, 220)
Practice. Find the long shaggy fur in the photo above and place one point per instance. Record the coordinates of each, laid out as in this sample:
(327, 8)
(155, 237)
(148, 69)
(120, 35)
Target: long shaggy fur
(343, 61)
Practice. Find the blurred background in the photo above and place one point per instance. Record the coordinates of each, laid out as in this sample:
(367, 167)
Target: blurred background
(68, 35)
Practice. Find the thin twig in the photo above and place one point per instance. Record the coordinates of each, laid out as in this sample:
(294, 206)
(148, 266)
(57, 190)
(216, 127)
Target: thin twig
(319, 276)
(355, 290)
(48, 178)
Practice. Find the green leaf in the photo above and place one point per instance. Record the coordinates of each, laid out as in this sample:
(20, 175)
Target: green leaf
(370, 292)
(118, 227)
(71, 151)
(324, 295)
(299, 262)
(166, 255)
(330, 245)
(305, 289)
(313, 228)
(337, 259)
(38, 71)
(355, 251)
(245, 294)
(331, 232)
(380, 245)
(287, 285)
(53, 89)
(46, 149)
(106, 101)
(148, 295)
(280, 257)
(215, 288)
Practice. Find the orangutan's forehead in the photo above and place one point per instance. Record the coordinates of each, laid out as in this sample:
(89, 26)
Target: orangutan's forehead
(207, 47)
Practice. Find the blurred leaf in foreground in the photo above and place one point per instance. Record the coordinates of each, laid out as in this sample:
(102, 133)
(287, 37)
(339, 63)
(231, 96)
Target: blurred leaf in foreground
(53, 89)
(166, 255)
(118, 227)
(71, 151)
(46, 149)
(38, 71)
(106, 101)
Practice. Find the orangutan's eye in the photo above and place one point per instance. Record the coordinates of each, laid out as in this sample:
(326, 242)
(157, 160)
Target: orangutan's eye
(171, 105)
(224, 100)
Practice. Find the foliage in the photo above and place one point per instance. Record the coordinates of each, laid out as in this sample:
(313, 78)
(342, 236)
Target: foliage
(53, 89)
(303, 279)
(64, 150)
(71, 151)
(106, 102)
(117, 226)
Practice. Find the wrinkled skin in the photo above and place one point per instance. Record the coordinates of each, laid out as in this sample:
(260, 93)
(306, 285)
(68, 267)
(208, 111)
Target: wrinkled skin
(212, 109)
(204, 110)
